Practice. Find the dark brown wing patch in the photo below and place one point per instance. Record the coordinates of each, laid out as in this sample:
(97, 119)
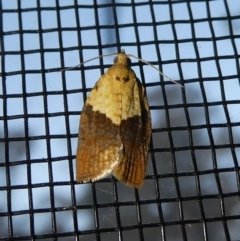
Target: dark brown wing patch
(99, 146)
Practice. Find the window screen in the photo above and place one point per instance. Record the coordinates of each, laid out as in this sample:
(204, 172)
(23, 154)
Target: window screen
(191, 189)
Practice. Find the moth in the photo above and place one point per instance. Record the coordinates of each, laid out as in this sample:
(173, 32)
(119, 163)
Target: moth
(115, 128)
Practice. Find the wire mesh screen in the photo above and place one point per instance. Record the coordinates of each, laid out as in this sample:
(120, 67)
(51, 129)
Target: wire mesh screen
(191, 189)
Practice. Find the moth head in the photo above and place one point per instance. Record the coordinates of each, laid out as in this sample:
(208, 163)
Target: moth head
(122, 58)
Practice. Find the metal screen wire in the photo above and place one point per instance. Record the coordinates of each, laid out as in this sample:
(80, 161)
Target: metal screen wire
(191, 190)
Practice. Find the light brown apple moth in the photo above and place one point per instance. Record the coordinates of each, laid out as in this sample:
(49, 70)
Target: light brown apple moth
(115, 128)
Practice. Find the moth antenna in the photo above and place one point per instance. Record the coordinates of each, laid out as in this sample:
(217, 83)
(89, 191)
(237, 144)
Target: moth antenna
(123, 51)
(98, 57)
(155, 69)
